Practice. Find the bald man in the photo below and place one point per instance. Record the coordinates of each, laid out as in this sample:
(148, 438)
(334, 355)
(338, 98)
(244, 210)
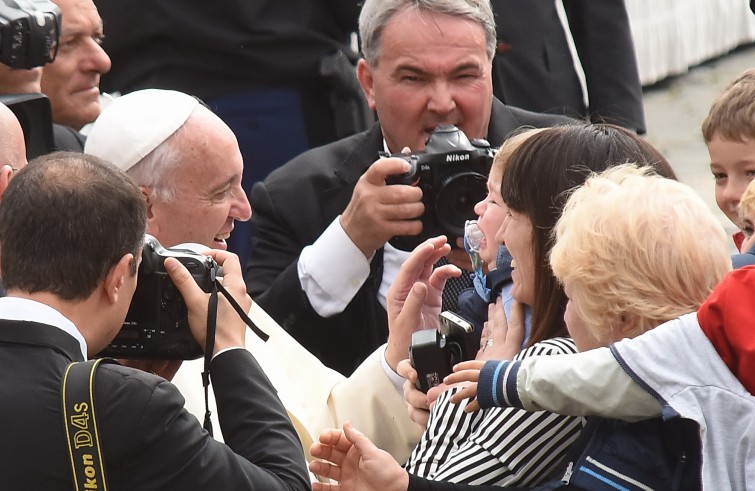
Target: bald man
(12, 147)
(12, 151)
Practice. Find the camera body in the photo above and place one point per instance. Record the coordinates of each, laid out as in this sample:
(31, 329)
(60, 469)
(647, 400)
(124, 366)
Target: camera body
(452, 172)
(156, 324)
(434, 352)
(29, 32)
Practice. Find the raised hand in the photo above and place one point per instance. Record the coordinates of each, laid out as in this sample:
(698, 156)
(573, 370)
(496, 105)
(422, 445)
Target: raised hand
(355, 463)
(414, 299)
(502, 339)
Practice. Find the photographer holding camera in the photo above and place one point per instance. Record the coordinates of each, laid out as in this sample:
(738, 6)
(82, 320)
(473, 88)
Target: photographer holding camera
(320, 263)
(71, 234)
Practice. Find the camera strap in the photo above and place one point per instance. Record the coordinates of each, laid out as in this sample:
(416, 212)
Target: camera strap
(80, 421)
(212, 317)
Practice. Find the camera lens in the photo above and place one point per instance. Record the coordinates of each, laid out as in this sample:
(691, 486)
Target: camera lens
(458, 194)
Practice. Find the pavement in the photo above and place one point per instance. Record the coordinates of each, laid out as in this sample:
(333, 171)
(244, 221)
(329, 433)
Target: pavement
(674, 111)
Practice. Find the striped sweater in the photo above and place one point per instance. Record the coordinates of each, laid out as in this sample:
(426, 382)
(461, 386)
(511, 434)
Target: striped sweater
(497, 446)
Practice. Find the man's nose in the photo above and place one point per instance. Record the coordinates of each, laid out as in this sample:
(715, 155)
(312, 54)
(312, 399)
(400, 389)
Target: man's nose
(96, 60)
(241, 209)
(441, 98)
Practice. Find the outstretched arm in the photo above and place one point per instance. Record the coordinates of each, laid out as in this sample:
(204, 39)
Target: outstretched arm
(589, 383)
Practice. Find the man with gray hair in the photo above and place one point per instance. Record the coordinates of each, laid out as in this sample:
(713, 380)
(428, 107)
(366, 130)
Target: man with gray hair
(321, 263)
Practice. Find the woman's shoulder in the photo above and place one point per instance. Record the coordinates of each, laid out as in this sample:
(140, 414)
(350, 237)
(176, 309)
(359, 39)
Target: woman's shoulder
(553, 346)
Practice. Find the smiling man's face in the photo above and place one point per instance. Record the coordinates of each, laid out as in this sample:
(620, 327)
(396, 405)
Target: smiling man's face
(208, 196)
(72, 81)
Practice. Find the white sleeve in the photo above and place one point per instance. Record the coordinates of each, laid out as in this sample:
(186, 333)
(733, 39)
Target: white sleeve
(332, 270)
(589, 383)
(315, 396)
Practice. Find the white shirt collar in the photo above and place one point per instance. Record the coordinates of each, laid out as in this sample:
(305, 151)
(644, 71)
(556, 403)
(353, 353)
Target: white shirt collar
(23, 309)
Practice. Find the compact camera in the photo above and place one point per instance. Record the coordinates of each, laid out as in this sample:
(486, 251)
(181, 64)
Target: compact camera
(452, 173)
(434, 352)
(29, 32)
(156, 324)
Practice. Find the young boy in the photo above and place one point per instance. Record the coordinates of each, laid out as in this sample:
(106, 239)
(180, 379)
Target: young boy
(747, 225)
(729, 133)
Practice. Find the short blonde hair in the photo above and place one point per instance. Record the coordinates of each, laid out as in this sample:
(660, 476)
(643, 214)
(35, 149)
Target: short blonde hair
(732, 114)
(747, 201)
(637, 250)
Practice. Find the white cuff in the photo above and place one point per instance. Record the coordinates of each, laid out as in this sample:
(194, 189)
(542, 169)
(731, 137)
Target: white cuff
(226, 349)
(396, 379)
(332, 270)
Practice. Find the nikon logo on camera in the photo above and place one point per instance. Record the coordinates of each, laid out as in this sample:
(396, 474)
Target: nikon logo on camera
(455, 157)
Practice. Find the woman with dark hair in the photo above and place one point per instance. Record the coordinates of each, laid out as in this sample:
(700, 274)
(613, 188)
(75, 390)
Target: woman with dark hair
(535, 186)
(505, 446)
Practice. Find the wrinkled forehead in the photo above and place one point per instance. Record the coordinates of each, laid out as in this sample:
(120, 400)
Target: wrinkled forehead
(79, 13)
(208, 163)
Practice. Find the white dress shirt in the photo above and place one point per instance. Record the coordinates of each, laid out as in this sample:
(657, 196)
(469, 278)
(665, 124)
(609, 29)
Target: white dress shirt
(23, 309)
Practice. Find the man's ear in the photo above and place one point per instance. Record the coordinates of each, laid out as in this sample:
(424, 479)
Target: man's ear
(153, 227)
(6, 172)
(116, 277)
(367, 81)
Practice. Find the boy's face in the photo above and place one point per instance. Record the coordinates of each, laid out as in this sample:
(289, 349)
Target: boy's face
(733, 166)
(747, 224)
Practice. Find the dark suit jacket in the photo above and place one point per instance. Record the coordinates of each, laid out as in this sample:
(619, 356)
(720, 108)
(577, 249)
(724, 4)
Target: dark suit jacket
(149, 442)
(534, 69)
(295, 204)
(217, 48)
(67, 139)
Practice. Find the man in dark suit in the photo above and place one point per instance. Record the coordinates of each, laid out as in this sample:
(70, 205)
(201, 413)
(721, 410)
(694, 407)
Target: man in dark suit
(320, 264)
(71, 233)
(534, 69)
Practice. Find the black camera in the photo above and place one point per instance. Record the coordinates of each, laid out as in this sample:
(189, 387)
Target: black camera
(434, 352)
(156, 324)
(452, 173)
(29, 32)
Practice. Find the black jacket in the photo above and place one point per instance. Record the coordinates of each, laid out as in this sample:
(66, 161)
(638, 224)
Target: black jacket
(534, 69)
(294, 206)
(148, 440)
(212, 48)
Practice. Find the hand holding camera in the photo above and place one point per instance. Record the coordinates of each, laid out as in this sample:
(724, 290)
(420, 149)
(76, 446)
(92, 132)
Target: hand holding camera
(158, 324)
(231, 329)
(452, 174)
(414, 299)
(501, 340)
(434, 353)
(378, 212)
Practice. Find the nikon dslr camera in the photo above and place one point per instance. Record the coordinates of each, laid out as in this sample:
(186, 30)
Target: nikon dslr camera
(452, 173)
(29, 32)
(156, 324)
(434, 352)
